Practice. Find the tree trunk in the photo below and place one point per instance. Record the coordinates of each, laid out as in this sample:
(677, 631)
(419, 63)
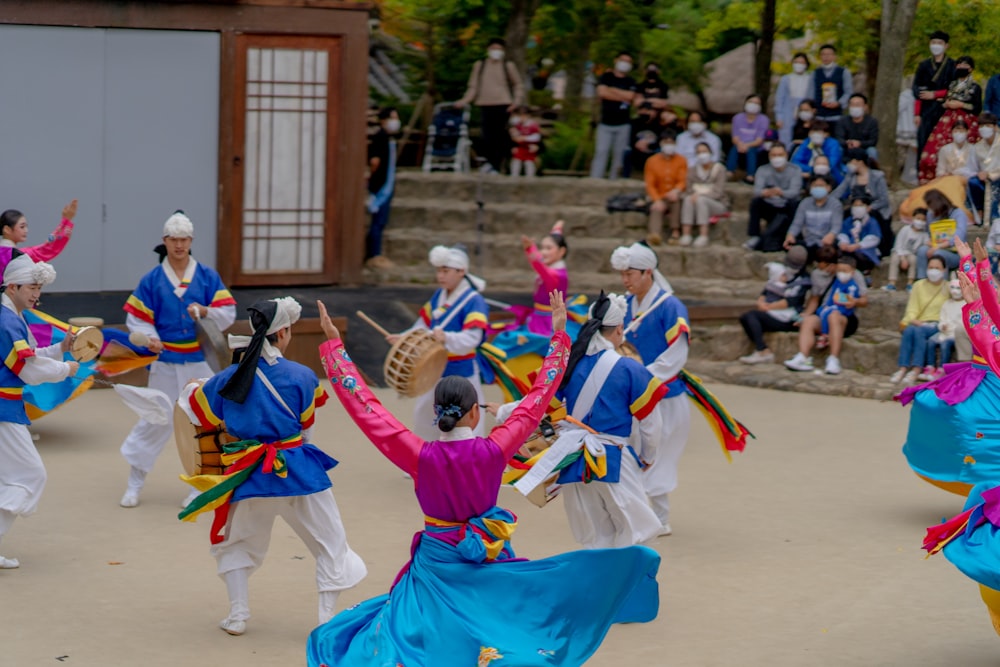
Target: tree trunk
(765, 49)
(871, 60)
(897, 22)
(521, 14)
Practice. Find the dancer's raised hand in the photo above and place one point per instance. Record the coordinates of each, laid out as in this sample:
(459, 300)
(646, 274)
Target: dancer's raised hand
(558, 310)
(329, 328)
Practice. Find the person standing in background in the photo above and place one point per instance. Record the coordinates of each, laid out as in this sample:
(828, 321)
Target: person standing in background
(618, 93)
(832, 85)
(381, 184)
(930, 86)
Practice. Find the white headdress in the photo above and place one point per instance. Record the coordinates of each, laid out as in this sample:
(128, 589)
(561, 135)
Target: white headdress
(455, 257)
(615, 315)
(641, 257)
(178, 226)
(288, 312)
(22, 270)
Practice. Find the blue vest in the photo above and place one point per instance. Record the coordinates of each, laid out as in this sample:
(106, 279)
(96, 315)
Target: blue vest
(836, 78)
(16, 351)
(658, 331)
(474, 314)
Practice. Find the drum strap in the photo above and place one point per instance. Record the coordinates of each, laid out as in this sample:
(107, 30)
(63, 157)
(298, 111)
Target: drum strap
(274, 392)
(593, 384)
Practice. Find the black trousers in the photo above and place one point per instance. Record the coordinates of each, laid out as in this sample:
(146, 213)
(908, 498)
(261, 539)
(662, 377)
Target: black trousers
(495, 139)
(756, 322)
(778, 221)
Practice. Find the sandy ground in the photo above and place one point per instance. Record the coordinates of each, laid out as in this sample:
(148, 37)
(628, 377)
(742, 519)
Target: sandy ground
(804, 551)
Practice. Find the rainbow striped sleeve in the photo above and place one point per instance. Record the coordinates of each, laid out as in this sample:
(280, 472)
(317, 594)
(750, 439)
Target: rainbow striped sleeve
(19, 354)
(642, 406)
(308, 417)
(222, 298)
(475, 320)
(680, 328)
(135, 306)
(425, 314)
(202, 408)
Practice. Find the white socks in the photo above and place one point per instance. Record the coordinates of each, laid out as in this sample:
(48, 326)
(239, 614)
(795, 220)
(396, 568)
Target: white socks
(327, 605)
(136, 480)
(238, 587)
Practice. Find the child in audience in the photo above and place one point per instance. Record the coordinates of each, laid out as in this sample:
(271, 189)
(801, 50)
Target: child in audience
(526, 134)
(777, 282)
(949, 322)
(904, 251)
(842, 295)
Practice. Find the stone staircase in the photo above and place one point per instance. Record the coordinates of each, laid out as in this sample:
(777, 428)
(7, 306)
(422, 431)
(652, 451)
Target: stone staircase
(431, 209)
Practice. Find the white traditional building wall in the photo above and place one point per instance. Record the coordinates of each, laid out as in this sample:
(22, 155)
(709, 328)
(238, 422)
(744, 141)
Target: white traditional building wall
(127, 121)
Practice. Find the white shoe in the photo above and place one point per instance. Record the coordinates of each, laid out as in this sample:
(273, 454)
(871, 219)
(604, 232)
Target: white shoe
(799, 363)
(911, 376)
(752, 243)
(833, 365)
(700, 242)
(232, 626)
(190, 497)
(130, 499)
(9, 563)
(758, 357)
(686, 240)
(897, 377)
(665, 530)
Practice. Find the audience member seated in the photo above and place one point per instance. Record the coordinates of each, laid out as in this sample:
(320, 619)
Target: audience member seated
(862, 180)
(920, 322)
(666, 177)
(818, 218)
(910, 238)
(860, 236)
(959, 157)
(819, 143)
(704, 196)
(779, 305)
(941, 346)
(940, 208)
(803, 124)
(776, 196)
(833, 284)
(985, 185)
(697, 132)
(648, 126)
(858, 129)
(821, 167)
(749, 128)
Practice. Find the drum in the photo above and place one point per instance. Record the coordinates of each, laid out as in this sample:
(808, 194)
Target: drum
(415, 363)
(200, 449)
(86, 322)
(540, 440)
(213, 344)
(87, 344)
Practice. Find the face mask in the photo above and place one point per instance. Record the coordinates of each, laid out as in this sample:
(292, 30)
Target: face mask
(962, 72)
(779, 161)
(652, 74)
(806, 116)
(986, 132)
(798, 68)
(818, 192)
(822, 169)
(844, 276)
(937, 49)
(495, 54)
(623, 66)
(696, 128)
(851, 167)
(668, 149)
(703, 158)
(935, 275)
(392, 125)
(959, 137)
(920, 225)
(856, 112)
(817, 138)
(956, 293)
(751, 107)
(767, 145)
(859, 212)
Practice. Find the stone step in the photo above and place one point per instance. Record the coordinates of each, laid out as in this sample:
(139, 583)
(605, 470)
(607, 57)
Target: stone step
(775, 376)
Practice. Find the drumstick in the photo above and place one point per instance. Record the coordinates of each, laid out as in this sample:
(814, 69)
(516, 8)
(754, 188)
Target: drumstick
(138, 339)
(372, 323)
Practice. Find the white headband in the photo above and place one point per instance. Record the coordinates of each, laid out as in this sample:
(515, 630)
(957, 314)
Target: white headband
(23, 270)
(616, 311)
(453, 258)
(178, 226)
(288, 313)
(642, 258)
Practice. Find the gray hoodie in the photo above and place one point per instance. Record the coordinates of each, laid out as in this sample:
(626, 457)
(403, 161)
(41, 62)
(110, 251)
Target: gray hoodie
(814, 221)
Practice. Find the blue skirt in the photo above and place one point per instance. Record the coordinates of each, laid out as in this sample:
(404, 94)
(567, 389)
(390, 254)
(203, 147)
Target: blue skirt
(447, 612)
(976, 552)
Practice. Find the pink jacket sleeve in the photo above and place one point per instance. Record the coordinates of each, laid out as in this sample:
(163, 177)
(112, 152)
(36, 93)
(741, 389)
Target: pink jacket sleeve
(394, 440)
(510, 435)
(549, 276)
(987, 290)
(977, 318)
(55, 245)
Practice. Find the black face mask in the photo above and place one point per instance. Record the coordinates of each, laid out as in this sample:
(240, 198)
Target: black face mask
(962, 72)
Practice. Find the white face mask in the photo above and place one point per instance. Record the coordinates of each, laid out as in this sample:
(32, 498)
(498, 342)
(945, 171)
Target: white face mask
(798, 68)
(821, 169)
(935, 275)
(668, 149)
(495, 54)
(818, 192)
(856, 112)
(859, 212)
(703, 158)
(937, 49)
(751, 107)
(959, 137)
(806, 116)
(817, 138)
(986, 131)
(919, 225)
(696, 128)
(767, 145)
(844, 276)
(956, 293)
(623, 66)
(851, 167)
(392, 125)
(779, 161)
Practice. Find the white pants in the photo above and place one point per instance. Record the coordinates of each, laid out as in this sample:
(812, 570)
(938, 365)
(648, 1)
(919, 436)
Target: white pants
(661, 476)
(145, 441)
(423, 412)
(314, 518)
(22, 474)
(604, 516)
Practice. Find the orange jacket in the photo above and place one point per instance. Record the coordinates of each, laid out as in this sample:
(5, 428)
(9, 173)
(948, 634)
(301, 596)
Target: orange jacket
(664, 174)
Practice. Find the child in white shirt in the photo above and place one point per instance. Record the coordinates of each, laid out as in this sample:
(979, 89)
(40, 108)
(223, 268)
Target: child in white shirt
(904, 250)
(949, 322)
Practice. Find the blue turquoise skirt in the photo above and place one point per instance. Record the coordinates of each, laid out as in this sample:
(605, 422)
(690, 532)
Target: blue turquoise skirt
(447, 612)
(976, 552)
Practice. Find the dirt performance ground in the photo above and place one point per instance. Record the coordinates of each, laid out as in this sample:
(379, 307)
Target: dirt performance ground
(802, 552)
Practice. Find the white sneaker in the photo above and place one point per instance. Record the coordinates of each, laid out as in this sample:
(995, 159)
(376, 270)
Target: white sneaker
(752, 243)
(897, 377)
(232, 626)
(686, 240)
(799, 362)
(700, 242)
(911, 376)
(9, 563)
(190, 497)
(759, 357)
(665, 530)
(832, 365)
(130, 499)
